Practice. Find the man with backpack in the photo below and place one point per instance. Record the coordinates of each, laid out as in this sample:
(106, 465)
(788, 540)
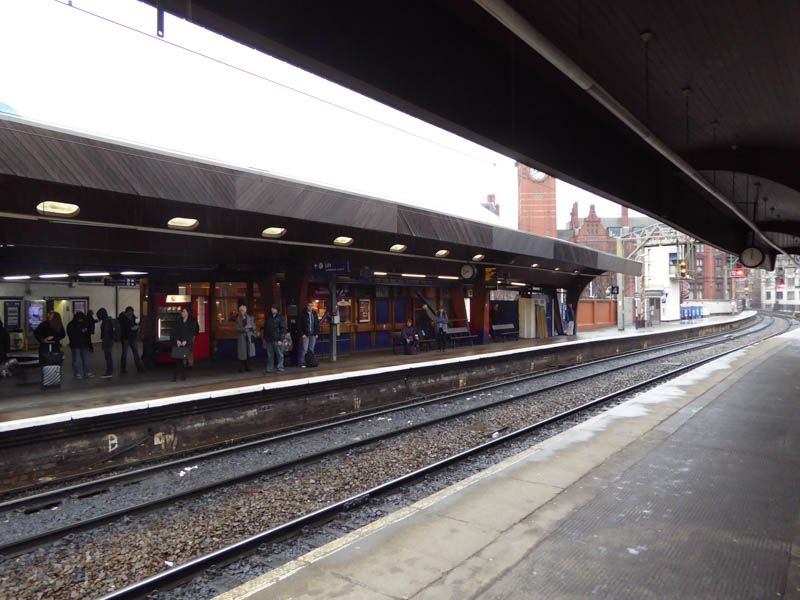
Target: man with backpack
(130, 339)
(110, 332)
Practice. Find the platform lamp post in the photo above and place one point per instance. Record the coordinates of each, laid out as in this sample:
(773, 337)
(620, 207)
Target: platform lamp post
(334, 321)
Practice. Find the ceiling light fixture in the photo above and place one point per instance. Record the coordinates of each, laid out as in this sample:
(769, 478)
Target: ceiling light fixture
(274, 232)
(535, 265)
(417, 275)
(380, 273)
(447, 277)
(557, 269)
(94, 274)
(398, 248)
(343, 240)
(129, 273)
(53, 276)
(184, 223)
(442, 253)
(58, 209)
(16, 277)
(478, 257)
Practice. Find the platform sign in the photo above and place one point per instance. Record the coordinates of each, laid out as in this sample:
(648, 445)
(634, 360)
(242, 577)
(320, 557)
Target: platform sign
(121, 282)
(490, 278)
(331, 266)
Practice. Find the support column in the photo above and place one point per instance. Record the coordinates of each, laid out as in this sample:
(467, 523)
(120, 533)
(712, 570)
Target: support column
(479, 312)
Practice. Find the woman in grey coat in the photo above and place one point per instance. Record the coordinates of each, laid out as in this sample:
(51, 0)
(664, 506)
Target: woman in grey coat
(245, 344)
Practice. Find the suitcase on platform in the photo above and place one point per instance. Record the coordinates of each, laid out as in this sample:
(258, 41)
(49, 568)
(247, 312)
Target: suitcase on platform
(51, 368)
(310, 359)
(51, 376)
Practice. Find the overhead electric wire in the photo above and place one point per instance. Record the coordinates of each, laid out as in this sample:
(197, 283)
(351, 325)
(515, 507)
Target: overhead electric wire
(69, 4)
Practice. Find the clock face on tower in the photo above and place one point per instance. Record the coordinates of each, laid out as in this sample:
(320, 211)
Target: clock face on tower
(537, 176)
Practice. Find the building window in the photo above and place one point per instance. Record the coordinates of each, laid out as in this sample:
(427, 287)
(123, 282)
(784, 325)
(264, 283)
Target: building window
(790, 295)
(778, 295)
(769, 295)
(538, 196)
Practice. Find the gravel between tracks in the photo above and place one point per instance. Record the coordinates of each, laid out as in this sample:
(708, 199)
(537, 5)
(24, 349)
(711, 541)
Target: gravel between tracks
(95, 562)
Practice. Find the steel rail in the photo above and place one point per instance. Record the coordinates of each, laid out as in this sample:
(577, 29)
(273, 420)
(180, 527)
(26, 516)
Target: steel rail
(22, 544)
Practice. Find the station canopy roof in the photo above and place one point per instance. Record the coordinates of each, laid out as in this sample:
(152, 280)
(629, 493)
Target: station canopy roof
(126, 196)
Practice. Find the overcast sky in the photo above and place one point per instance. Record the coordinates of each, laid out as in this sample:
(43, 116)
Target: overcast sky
(76, 70)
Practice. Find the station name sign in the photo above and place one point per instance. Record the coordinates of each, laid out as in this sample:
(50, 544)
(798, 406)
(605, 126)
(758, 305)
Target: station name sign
(332, 266)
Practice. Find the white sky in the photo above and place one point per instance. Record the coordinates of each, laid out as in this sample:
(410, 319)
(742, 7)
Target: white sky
(76, 70)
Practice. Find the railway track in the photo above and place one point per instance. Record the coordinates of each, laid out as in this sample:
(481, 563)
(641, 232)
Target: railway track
(546, 382)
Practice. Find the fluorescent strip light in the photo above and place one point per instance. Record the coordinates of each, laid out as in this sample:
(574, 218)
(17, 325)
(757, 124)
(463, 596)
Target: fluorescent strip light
(517, 283)
(447, 277)
(412, 275)
(133, 273)
(98, 274)
(381, 273)
(16, 277)
(53, 276)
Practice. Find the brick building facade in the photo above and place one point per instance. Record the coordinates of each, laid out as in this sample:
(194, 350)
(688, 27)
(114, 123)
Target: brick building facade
(537, 201)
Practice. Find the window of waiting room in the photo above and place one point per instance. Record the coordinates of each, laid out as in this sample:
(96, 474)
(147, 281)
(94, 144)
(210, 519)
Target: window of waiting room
(227, 295)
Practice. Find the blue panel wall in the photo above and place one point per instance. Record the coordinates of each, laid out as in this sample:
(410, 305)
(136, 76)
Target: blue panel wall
(383, 339)
(381, 310)
(399, 310)
(364, 341)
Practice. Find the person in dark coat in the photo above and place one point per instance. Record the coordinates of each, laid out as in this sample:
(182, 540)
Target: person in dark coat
(106, 340)
(79, 342)
(245, 344)
(274, 333)
(410, 338)
(183, 337)
(308, 326)
(5, 343)
(91, 321)
(130, 339)
(49, 334)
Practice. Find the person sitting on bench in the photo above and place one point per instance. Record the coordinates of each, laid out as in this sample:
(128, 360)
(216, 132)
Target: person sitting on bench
(410, 338)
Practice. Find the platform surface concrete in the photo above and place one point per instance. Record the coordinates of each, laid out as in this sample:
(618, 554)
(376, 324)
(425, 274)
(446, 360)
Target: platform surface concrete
(132, 390)
(688, 490)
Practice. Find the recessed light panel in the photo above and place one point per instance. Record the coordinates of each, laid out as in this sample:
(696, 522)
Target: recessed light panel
(343, 240)
(442, 253)
(398, 248)
(478, 257)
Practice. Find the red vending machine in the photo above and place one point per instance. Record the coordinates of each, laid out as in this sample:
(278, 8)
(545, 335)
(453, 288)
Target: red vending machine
(168, 311)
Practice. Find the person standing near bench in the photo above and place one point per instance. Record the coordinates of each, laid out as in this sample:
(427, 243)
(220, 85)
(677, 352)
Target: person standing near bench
(440, 320)
(309, 329)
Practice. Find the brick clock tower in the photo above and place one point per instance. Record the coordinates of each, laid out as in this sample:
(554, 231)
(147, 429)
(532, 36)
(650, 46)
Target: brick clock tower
(537, 201)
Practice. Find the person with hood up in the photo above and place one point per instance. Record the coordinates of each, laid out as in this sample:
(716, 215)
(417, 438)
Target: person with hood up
(79, 341)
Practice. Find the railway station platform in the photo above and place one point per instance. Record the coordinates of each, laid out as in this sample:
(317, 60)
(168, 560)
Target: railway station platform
(689, 490)
(29, 405)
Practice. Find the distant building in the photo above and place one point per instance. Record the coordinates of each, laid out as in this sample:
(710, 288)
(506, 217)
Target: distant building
(537, 201)
(491, 205)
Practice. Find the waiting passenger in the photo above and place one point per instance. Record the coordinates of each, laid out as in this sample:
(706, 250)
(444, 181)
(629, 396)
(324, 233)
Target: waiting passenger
(79, 341)
(245, 343)
(182, 339)
(410, 338)
(308, 325)
(440, 321)
(49, 333)
(107, 339)
(130, 339)
(5, 343)
(274, 333)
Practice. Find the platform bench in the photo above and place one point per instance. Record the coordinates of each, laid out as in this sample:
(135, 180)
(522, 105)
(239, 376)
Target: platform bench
(423, 343)
(504, 330)
(460, 335)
